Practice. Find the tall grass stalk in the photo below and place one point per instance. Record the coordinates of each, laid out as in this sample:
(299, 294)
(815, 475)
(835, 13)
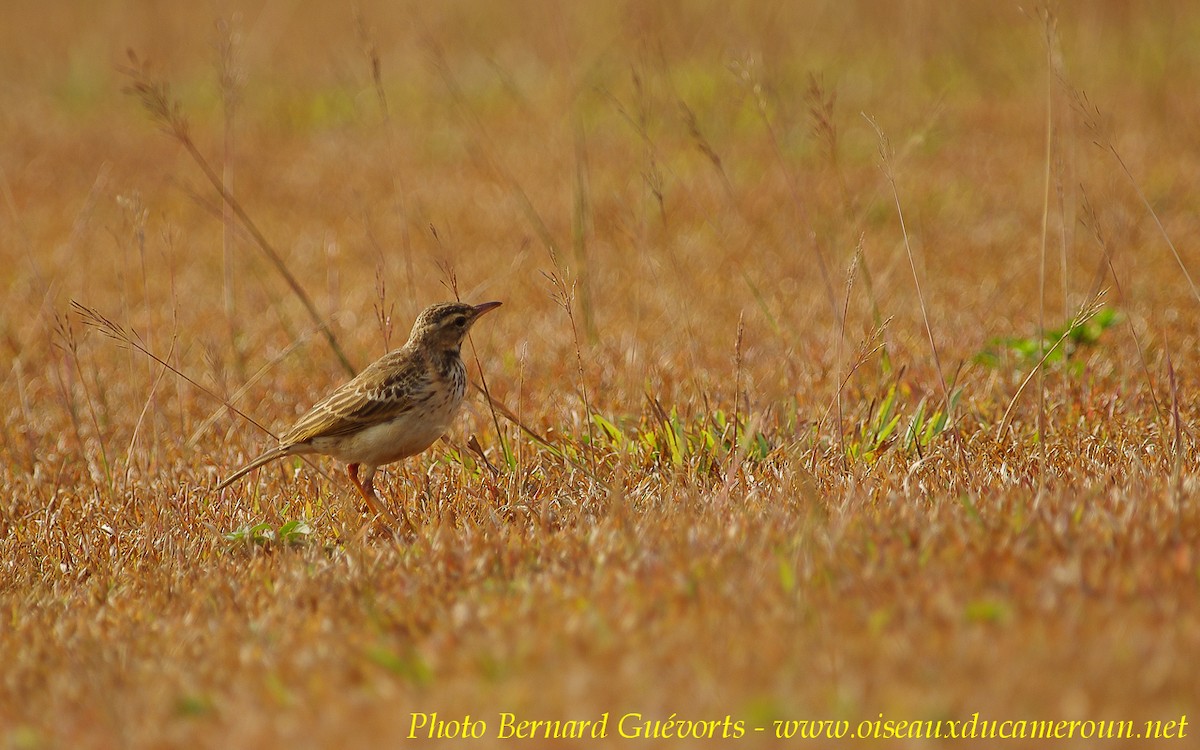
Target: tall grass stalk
(737, 378)
(886, 162)
(400, 206)
(1091, 221)
(130, 339)
(156, 99)
(748, 77)
(850, 274)
(231, 80)
(68, 343)
(1093, 120)
(1048, 27)
(564, 296)
(1086, 312)
(450, 280)
(581, 230)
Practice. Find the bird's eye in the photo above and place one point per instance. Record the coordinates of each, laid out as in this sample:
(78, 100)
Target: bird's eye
(460, 321)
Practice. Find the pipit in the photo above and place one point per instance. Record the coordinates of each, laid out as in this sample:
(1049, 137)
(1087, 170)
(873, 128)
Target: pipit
(395, 408)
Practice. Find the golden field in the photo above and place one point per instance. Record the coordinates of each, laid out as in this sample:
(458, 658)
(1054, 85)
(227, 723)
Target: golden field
(847, 371)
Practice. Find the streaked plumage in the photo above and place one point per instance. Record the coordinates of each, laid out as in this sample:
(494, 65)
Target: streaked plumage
(395, 408)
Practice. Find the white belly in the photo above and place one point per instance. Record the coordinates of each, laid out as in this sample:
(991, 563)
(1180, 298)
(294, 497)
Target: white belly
(387, 442)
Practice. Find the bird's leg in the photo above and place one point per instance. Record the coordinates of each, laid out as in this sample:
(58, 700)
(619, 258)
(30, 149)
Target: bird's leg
(366, 488)
(369, 483)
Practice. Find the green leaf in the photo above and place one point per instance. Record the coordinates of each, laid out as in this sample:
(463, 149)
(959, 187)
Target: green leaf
(887, 430)
(409, 666)
(987, 610)
(611, 431)
(762, 446)
(1032, 348)
(193, 705)
(787, 575)
(294, 532)
(912, 435)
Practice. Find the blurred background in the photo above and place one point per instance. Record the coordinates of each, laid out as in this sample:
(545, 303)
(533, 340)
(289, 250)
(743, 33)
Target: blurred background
(688, 163)
(691, 212)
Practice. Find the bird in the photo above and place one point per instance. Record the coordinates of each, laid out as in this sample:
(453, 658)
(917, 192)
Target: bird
(398, 406)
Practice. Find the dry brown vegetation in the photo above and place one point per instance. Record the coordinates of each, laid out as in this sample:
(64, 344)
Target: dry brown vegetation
(745, 501)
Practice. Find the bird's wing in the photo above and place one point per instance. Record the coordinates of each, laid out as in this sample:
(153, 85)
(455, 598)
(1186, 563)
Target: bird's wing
(379, 393)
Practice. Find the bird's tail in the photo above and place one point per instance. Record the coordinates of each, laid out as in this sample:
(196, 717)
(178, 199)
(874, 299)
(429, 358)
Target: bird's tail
(265, 458)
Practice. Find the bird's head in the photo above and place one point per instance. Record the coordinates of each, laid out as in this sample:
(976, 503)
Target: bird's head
(443, 327)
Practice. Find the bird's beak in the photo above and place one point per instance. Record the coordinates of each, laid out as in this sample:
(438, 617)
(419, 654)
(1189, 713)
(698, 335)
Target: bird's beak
(485, 307)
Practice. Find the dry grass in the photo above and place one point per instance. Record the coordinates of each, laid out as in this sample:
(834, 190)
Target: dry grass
(746, 498)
